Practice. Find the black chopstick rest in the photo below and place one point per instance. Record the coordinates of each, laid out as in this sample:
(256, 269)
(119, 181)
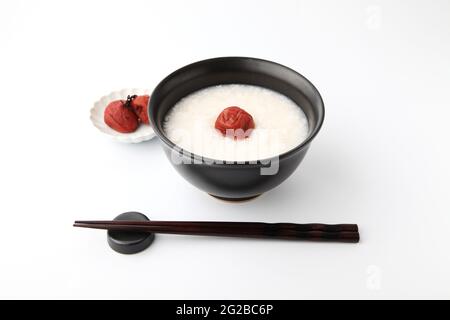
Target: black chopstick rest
(130, 242)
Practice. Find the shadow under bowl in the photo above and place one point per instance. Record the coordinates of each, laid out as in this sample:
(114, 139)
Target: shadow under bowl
(238, 180)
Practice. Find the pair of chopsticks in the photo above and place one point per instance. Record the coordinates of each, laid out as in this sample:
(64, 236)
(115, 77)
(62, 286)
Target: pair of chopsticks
(290, 231)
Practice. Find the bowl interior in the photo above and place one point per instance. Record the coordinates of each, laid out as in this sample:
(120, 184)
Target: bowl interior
(235, 70)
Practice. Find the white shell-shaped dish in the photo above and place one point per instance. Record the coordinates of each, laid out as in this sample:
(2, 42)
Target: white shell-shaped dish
(143, 133)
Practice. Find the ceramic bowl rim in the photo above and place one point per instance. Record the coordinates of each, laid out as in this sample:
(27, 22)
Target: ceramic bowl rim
(235, 164)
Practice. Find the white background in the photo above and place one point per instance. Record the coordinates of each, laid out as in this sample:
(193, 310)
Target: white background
(381, 160)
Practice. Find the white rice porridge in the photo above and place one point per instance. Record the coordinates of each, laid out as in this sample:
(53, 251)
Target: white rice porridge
(280, 125)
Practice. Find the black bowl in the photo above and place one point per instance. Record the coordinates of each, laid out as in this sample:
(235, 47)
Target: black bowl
(235, 181)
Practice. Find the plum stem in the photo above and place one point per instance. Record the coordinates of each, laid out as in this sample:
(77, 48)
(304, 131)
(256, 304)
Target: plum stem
(129, 99)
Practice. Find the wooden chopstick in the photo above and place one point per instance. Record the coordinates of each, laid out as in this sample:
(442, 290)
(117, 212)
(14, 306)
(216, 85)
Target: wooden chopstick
(296, 226)
(312, 232)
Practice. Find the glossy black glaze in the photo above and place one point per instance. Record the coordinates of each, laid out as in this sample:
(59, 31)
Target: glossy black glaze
(130, 242)
(236, 180)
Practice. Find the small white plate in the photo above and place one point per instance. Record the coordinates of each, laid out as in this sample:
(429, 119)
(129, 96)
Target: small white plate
(143, 133)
